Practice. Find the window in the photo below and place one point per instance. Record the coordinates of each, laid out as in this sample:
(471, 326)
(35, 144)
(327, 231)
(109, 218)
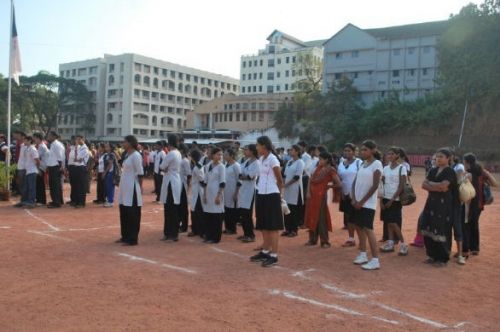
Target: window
(396, 52)
(355, 75)
(287, 59)
(355, 54)
(278, 74)
(270, 76)
(92, 71)
(111, 80)
(278, 88)
(411, 50)
(270, 89)
(424, 71)
(164, 72)
(249, 64)
(243, 89)
(411, 72)
(270, 62)
(244, 64)
(231, 117)
(255, 63)
(254, 76)
(111, 67)
(156, 70)
(147, 69)
(260, 88)
(254, 116)
(294, 59)
(338, 56)
(261, 116)
(244, 116)
(395, 73)
(261, 62)
(260, 75)
(82, 71)
(279, 61)
(426, 50)
(237, 117)
(338, 76)
(137, 66)
(286, 87)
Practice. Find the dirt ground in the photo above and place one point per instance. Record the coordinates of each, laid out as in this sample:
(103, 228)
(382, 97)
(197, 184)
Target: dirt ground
(60, 270)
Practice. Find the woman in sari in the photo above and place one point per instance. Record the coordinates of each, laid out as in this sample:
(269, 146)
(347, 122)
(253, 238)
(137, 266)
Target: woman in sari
(317, 217)
(437, 222)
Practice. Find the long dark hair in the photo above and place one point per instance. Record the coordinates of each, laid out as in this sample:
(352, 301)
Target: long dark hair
(253, 149)
(447, 152)
(373, 146)
(474, 167)
(266, 142)
(326, 156)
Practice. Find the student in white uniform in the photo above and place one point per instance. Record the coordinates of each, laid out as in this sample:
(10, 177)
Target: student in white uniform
(159, 156)
(100, 199)
(171, 189)
(231, 192)
(80, 172)
(130, 193)
(394, 179)
(294, 195)
(248, 177)
(72, 152)
(185, 173)
(364, 201)
(31, 161)
(213, 196)
(43, 153)
(110, 167)
(197, 177)
(268, 203)
(55, 165)
(348, 168)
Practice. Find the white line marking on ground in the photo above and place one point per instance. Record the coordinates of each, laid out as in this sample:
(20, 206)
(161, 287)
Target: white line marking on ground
(43, 221)
(229, 252)
(5, 227)
(408, 315)
(153, 262)
(51, 234)
(292, 296)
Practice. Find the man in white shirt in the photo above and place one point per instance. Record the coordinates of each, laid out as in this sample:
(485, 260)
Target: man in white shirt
(30, 164)
(71, 169)
(55, 166)
(158, 177)
(43, 153)
(80, 159)
(19, 159)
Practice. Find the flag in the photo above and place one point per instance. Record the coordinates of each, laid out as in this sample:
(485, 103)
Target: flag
(15, 54)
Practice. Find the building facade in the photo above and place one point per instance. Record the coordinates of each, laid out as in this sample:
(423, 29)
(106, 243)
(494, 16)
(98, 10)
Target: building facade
(279, 67)
(378, 61)
(243, 113)
(134, 94)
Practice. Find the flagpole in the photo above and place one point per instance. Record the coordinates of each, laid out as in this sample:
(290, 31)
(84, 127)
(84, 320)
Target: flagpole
(463, 123)
(9, 97)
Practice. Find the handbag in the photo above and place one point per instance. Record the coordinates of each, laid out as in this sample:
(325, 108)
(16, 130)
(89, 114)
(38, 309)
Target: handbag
(487, 194)
(466, 190)
(408, 195)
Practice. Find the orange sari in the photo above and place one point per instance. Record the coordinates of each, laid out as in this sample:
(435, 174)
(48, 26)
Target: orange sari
(318, 185)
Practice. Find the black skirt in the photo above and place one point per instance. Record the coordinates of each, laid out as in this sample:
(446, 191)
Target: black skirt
(268, 212)
(393, 214)
(345, 205)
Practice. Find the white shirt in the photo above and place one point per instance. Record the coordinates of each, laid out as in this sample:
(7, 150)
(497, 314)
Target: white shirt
(171, 166)
(306, 158)
(57, 154)
(158, 159)
(214, 176)
(82, 155)
(250, 170)
(151, 157)
(21, 163)
(391, 180)
(100, 165)
(364, 182)
(44, 154)
(132, 169)
(185, 172)
(72, 155)
(347, 174)
(294, 168)
(232, 178)
(198, 175)
(267, 180)
(30, 154)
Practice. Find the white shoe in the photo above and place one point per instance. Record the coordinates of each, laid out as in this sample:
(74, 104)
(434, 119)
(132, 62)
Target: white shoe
(403, 249)
(371, 265)
(108, 205)
(388, 247)
(361, 259)
(461, 260)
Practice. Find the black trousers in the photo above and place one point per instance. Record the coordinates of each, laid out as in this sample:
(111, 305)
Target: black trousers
(100, 188)
(171, 217)
(80, 182)
(158, 180)
(231, 218)
(184, 211)
(55, 185)
(130, 221)
(296, 216)
(247, 221)
(41, 196)
(471, 230)
(72, 182)
(197, 218)
(214, 226)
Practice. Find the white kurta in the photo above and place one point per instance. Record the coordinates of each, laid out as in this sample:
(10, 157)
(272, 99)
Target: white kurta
(185, 172)
(294, 168)
(232, 179)
(171, 166)
(214, 176)
(249, 171)
(131, 170)
(197, 176)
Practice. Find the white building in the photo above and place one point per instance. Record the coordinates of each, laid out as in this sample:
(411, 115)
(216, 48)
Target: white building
(400, 58)
(134, 94)
(278, 67)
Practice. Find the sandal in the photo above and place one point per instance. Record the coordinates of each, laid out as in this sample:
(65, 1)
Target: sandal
(326, 245)
(349, 243)
(310, 244)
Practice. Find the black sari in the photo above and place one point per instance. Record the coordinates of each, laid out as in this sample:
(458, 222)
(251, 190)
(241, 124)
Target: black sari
(438, 216)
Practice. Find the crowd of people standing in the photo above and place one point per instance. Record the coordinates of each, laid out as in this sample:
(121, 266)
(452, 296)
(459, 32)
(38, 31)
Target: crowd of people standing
(214, 190)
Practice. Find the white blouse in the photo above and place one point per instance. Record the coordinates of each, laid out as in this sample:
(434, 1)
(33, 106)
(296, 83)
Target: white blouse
(291, 194)
(232, 179)
(347, 174)
(171, 166)
(249, 171)
(198, 175)
(214, 176)
(185, 172)
(129, 181)
(267, 180)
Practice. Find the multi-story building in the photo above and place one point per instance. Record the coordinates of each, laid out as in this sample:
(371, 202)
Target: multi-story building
(399, 58)
(134, 94)
(285, 61)
(243, 113)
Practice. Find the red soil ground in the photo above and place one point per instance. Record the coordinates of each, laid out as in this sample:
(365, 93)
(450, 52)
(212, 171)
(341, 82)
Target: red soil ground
(60, 270)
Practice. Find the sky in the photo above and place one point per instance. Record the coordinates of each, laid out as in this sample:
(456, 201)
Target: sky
(204, 34)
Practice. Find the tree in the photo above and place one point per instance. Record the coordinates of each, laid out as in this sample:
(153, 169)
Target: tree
(310, 68)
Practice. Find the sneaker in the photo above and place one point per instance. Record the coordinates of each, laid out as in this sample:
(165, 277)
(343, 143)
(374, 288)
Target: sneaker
(108, 205)
(461, 260)
(388, 247)
(371, 265)
(19, 205)
(260, 257)
(248, 239)
(403, 249)
(361, 259)
(270, 261)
